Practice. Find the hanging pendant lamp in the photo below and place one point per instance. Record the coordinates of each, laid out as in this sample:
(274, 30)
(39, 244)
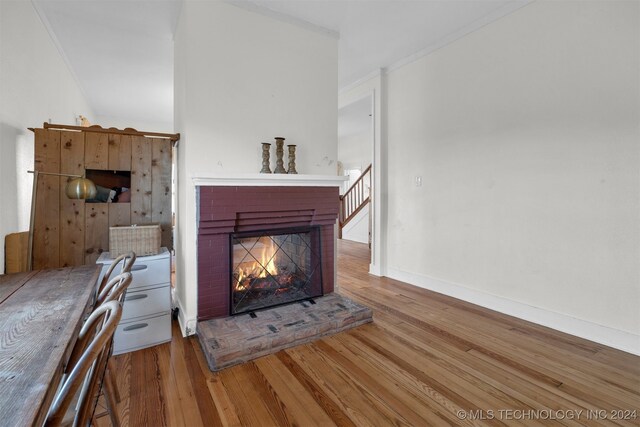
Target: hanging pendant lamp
(81, 188)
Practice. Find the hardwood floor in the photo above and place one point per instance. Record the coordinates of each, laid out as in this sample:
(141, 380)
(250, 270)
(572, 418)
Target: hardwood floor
(427, 360)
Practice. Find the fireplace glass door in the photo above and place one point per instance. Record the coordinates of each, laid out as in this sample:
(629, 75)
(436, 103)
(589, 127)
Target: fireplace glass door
(270, 268)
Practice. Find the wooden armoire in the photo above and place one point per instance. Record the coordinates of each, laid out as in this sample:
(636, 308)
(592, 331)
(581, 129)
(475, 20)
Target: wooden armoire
(70, 232)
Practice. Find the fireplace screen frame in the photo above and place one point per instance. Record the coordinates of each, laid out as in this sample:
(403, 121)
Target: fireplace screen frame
(316, 243)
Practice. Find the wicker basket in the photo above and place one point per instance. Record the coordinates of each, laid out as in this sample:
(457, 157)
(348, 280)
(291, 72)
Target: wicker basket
(142, 239)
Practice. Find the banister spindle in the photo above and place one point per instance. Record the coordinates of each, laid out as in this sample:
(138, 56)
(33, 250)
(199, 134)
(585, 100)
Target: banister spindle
(355, 198)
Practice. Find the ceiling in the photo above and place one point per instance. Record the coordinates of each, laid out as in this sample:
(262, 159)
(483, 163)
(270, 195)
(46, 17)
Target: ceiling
(377, 34)
(121, 51)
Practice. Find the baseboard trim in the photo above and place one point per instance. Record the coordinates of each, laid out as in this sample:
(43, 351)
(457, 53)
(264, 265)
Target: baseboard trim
(376, 270)
(600, 334)
(187, 326)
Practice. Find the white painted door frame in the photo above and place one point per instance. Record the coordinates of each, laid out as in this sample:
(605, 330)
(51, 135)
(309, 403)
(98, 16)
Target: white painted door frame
(374, 87)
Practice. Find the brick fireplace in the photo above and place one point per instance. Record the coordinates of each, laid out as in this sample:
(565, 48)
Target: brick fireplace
(225, 211)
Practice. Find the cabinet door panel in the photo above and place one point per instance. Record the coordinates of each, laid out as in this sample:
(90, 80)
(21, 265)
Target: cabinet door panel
(71, 210)
(120, 152)
(161, 188)
(46, 237)
(119, 214)
(141, 180)
(97, 235)
(96, 150)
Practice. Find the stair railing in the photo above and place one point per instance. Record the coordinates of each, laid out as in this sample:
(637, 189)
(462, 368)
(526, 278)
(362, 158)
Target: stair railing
(355, 198)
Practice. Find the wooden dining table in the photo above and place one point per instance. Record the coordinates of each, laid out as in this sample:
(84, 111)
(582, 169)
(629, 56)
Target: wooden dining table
(41, 313)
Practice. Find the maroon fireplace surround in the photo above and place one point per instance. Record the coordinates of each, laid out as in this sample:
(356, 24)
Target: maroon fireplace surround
(223, 210)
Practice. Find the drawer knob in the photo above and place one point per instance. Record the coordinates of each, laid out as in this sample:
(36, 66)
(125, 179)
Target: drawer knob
(136, 326)
(135, 297)
(138, 267)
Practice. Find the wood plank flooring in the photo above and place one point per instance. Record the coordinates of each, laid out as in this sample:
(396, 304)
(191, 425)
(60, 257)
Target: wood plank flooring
(427, 360)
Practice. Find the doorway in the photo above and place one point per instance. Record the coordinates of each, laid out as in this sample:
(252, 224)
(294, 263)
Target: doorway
(355, 155)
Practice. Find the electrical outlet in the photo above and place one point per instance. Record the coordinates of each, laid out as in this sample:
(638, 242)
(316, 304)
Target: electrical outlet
(418, 181)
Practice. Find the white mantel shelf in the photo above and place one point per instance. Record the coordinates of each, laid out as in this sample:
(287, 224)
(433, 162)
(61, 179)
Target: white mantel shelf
(273, 180)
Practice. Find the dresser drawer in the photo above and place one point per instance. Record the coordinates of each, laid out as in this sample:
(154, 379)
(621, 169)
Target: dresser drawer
(150, 272)
(147, 270)
(145, 302)
(142, 333)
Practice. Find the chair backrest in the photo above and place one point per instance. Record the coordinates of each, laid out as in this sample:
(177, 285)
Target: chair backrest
(115, 288)
(112, 292)
(108, 315)
(127, 260)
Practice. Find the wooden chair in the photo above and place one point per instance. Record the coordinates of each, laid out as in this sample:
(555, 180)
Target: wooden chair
(115, 288)
(111, 289)
(86, 361)
(112, 292)
(127, 260)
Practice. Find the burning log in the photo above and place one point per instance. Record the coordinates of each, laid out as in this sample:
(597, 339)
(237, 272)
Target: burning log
(265, 283)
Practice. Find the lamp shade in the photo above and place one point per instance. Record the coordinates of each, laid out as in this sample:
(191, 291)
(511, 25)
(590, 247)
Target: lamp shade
(81, 188)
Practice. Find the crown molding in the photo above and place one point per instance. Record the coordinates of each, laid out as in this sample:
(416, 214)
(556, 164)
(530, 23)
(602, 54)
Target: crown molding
(450, 38)
(265, 11)
(372, 75)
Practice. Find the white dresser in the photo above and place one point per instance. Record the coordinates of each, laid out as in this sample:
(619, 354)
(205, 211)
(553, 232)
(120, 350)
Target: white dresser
(146, 314)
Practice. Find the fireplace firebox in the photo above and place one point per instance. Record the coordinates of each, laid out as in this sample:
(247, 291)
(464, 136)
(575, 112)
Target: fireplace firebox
(274, 267)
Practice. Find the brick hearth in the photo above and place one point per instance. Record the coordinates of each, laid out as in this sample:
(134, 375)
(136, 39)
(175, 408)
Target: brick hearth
(233, 340)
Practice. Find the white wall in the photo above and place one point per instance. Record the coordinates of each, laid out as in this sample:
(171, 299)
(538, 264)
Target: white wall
(526, 135)
(354, 151)
(35, 86)
(242, 78)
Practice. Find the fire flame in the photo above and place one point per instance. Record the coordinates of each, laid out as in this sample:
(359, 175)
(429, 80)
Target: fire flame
(255, 269)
